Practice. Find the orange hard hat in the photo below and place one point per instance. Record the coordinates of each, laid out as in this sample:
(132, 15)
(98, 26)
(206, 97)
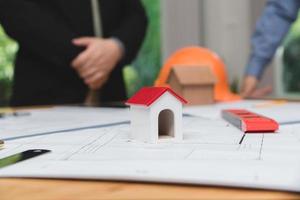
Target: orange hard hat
(198, 56)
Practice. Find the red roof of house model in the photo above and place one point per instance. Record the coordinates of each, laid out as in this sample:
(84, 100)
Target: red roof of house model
(148, 95)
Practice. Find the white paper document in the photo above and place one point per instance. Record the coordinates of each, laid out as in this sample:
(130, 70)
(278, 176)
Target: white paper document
(283, 113)
(210, 154)
(59, 119)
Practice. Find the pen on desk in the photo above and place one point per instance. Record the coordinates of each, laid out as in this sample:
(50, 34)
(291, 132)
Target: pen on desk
(14, 114)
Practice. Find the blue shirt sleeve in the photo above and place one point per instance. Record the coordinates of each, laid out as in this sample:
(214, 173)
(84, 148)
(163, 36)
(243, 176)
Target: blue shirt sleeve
(271, 29)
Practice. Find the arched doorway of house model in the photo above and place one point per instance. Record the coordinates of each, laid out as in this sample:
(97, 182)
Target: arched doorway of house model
(166, 124)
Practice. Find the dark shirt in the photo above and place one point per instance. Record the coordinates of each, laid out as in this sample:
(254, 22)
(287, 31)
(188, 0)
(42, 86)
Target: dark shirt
(44, 31)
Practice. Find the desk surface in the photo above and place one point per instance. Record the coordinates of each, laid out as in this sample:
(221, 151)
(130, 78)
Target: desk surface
(32, 189)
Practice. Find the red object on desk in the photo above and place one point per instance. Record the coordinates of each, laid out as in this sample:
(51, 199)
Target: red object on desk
(250, 122)
(148, 95)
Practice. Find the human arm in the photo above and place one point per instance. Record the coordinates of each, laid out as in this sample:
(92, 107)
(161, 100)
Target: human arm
(102, 55)
(132, 29)
(271, 29)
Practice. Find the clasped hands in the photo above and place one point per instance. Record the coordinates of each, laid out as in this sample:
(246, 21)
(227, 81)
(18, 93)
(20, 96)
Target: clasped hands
(97, 61)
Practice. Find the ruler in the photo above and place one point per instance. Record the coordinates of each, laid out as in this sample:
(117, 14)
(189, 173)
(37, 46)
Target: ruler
(250, 122)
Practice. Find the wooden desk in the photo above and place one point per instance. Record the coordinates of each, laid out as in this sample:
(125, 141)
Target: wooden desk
(33, 189)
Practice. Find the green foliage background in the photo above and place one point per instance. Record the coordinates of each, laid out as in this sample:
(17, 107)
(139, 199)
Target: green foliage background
(291, 60)
(8, 49)
(145, 68)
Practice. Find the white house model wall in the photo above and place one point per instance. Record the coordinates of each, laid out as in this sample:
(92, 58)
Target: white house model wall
(161, 121)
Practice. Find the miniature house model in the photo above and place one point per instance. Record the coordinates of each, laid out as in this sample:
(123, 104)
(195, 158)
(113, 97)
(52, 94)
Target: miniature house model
(156, 115)
(194, 83)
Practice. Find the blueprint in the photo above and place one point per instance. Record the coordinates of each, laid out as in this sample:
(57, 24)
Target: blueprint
(210, 154)
(59, 119)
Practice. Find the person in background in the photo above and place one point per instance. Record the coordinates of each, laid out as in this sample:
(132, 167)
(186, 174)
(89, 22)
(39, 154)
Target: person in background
(60, 59)
(271, 29)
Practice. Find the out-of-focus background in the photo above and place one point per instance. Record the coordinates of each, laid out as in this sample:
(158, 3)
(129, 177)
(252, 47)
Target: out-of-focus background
(223, 26)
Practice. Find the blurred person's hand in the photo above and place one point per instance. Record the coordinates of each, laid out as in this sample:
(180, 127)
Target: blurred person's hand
(96, 62)
(250, 90)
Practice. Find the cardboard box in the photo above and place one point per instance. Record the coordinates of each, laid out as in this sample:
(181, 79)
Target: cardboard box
(194, 83)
